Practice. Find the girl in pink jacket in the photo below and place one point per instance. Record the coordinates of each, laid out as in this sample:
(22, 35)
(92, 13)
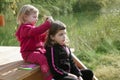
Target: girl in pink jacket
(32, 38)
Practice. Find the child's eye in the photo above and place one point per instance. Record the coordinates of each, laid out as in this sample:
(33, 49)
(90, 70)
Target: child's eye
(34, 16)
(61, 34)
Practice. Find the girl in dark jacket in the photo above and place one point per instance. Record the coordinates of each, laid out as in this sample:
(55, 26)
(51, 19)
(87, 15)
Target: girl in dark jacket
(59, 56)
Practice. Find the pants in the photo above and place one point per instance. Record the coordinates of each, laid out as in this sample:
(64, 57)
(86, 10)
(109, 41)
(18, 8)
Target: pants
(38, 58)
(86, 75)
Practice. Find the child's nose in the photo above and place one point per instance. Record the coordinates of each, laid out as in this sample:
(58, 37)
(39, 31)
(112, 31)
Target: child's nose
(36, 19)
(64, 36)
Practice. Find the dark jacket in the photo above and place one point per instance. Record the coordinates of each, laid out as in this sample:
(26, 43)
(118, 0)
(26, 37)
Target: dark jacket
(60, 61)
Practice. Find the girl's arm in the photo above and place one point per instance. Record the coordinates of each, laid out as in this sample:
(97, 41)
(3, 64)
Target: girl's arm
(28, 30)
(74, 68)
(52, 57)
(40, 29)
(42, 37)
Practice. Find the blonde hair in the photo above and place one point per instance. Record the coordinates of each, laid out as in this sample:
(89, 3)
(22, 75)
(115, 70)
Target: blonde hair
(26, 10)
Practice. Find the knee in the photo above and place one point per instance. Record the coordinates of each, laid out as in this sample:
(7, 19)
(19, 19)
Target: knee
(90, 73)
(87, 74)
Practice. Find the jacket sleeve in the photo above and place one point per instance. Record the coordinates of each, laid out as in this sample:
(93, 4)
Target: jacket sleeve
(74, 69)
(42, 37)
(52, 58)
(30, 31)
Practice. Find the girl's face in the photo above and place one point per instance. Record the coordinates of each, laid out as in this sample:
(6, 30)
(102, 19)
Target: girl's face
(60, 37)
(32, 18)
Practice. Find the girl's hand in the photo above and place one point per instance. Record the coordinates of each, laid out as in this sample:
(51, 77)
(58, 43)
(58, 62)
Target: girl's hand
(80, 78)
(72, 75)
(49, 18)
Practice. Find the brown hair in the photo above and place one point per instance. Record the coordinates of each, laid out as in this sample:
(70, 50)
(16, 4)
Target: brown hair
(56, 26)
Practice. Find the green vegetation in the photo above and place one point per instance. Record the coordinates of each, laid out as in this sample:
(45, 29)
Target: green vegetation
(92, 25)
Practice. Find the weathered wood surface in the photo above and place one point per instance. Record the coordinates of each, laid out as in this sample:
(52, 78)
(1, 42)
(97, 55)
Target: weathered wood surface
(10, 61)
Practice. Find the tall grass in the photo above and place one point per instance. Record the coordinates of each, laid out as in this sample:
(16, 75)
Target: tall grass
(93, 34)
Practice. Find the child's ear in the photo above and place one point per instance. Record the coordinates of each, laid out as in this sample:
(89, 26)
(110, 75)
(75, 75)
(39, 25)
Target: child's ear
(51, 37)
(25, 17)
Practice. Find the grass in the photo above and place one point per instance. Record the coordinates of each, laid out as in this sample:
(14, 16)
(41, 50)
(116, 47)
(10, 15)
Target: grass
(95, 37)
(109, 67)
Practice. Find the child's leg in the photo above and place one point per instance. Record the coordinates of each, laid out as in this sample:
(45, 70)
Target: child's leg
(38, 58)
(87, 74)
(68, 78)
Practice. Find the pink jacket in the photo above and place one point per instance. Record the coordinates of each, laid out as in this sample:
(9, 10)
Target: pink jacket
(32, 38)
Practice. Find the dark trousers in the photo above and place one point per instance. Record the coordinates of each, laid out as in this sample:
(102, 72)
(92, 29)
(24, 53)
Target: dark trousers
(86, 75)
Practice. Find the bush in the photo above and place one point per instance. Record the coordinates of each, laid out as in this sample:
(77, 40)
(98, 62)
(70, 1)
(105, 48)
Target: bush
(116, 43)
(90, 6)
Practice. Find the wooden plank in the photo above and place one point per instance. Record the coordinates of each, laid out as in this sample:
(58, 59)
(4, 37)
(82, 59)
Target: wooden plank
(10, 61)
(35, 76)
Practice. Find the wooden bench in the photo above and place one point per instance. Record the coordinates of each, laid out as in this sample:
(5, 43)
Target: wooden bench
(11, 60)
